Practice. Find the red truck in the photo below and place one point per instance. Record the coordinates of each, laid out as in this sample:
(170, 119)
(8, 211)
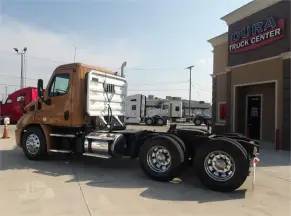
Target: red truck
(15, 102)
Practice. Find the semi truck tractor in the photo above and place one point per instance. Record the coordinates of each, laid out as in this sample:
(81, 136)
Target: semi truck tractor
(15, 102)
(81, 112)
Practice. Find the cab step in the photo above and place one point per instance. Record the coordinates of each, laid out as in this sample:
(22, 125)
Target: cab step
(104, 156)
(63, 135)
(60, 151)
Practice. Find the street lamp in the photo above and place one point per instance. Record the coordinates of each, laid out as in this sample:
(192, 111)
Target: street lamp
(22, 54)
(190, 70)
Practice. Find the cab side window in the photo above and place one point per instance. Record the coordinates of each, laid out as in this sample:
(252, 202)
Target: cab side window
(60, 85)
(8, 101)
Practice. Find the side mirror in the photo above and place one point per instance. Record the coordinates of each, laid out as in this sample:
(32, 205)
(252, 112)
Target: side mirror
(40, 92)
(40, 88)
(20, 99)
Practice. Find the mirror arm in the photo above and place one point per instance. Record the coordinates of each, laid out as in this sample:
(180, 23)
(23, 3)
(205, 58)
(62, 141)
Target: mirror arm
(47, 101)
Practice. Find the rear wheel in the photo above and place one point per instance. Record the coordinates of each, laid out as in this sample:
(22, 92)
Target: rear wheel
(221, 166)
(161, 158)
(149, 121)
(160, 122)
(34, 143)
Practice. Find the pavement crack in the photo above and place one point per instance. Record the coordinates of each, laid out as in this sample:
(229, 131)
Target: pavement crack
(81, 190)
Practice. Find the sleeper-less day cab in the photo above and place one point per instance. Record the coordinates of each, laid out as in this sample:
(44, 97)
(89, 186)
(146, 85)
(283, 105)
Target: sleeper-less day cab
(82, 112)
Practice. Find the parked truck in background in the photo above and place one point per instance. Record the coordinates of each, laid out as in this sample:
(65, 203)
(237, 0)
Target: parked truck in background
(200, 119)
(140, 109)
(14, 105)
(82, 112)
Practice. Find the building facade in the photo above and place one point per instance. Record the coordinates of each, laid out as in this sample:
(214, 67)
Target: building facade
(251, 73)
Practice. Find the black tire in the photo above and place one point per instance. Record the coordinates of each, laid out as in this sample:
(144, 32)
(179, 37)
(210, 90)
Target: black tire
(207, 122)
(197, 121)
(37, 134)
(235, 152)
(160, 122)
(149, 121)
(176, 157)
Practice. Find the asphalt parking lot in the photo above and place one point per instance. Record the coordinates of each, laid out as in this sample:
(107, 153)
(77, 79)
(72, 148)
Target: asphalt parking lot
(63, 185)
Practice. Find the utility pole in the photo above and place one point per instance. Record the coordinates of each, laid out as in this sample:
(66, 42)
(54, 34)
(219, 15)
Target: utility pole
(22, 56)
(75, 53)
(190, 83)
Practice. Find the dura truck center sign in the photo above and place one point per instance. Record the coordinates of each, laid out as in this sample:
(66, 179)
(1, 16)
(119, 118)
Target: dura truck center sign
(256, 35)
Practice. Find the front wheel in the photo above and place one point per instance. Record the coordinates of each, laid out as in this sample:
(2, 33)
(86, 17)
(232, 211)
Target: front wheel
(197, 122)
(161, 158)
(149, 121)
(221, 166)
(34, 143)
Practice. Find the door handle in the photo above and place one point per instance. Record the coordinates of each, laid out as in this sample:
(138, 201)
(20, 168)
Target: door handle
(66, 115)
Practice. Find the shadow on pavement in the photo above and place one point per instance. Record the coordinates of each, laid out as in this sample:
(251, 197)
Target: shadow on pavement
(116, 173)
(270, 157)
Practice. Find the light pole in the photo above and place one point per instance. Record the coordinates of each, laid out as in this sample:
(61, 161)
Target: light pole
(190, 70)
(22, 54)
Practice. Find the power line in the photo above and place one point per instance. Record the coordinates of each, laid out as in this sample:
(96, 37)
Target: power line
(154, 68)
(158, 83)
(17, 77)
(157, 90)
(8, 85)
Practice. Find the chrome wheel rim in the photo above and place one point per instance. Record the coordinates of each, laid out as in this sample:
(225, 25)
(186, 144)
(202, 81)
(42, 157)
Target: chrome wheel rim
(219, 166)
(159, 159)
(32, 144)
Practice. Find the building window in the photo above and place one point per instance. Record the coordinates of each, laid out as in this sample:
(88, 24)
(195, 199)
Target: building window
(177, 109)
(221, 111)
(133, 107)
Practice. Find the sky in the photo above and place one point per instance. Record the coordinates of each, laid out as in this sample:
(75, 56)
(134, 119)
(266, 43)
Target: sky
(158, 39)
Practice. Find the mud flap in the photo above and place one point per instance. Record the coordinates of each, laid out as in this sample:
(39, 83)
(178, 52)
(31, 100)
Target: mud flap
(255, 161)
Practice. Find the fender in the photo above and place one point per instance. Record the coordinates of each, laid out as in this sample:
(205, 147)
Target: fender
(233, 142)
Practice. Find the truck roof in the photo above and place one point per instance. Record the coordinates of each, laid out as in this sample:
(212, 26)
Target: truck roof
(77, 64)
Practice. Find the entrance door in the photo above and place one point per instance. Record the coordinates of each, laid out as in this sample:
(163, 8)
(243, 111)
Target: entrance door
(254, 109)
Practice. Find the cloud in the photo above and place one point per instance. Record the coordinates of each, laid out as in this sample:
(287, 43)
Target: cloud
(47, 49)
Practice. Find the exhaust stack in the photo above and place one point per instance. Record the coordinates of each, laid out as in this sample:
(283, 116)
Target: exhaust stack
(122, 69)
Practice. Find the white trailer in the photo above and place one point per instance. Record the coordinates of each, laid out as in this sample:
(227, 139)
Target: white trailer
(139, 109)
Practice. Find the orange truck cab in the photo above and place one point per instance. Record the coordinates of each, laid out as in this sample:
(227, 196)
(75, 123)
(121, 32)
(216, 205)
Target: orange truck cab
(81, 111)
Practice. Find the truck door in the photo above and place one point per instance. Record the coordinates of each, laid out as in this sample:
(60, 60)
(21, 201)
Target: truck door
(57, 110)
(133, 109)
